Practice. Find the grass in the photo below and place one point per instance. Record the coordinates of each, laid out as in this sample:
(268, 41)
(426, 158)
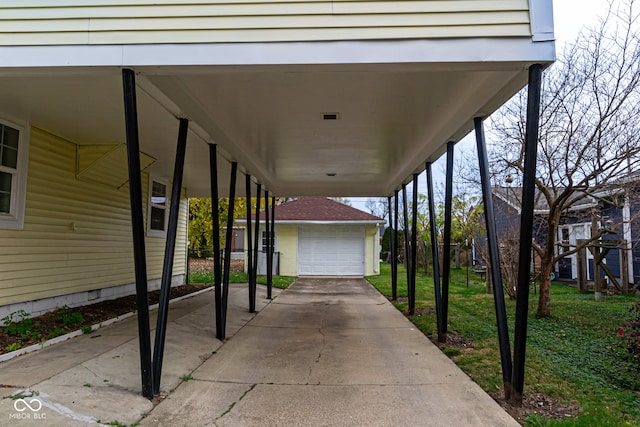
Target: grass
(281, 282)
(574, 356)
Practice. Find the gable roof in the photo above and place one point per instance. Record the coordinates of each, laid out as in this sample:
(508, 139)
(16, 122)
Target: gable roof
(513, 196)
(320, 209)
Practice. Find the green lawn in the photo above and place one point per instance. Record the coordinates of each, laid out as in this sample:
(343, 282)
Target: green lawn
(281, 282)
(574, 356)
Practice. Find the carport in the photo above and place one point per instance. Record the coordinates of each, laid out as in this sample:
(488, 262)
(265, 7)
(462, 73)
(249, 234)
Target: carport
(344, 113)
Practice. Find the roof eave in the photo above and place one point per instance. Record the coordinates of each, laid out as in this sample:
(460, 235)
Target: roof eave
(321, 222)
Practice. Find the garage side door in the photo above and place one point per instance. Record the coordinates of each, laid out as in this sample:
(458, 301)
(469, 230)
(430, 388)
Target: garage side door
(331, 251)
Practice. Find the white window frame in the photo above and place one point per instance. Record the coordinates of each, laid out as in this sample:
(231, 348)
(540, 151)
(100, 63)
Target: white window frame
(151, 232)
(572, 228)
(263, 232)
(14, 220)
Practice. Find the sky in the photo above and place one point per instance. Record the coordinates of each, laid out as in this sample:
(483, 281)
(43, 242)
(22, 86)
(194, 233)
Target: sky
(569, 16)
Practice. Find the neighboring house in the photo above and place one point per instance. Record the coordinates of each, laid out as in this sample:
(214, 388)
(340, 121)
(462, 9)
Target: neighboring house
(237, 243)
(575, 225)
(65, 225)
(323, 237)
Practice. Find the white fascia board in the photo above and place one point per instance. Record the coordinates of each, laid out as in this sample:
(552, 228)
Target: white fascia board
(511, 203)
(329, 222)
(581, 207)
(616, 191)
(461, 51)
(541, 17)
(301, 222)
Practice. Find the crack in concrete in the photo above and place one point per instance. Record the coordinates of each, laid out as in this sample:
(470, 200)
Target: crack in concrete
(324, 343)
(90, 370)
(234, 403)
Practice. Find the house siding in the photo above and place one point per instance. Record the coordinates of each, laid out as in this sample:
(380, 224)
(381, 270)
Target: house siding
(612, 259)
(635, 237)
(288, 247)
(614, 214)
(47, 22)
(371, 251)
(77, 234)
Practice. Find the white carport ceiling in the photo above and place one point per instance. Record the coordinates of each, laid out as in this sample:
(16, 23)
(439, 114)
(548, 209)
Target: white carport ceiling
(393, 117)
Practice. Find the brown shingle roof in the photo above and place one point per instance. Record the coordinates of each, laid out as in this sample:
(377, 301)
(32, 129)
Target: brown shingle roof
(319, 209)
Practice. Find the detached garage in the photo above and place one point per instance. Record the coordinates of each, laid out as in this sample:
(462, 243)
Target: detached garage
(323, 237)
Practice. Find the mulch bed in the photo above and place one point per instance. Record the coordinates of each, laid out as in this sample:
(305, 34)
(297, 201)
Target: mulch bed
(540, 404)
(51, 324)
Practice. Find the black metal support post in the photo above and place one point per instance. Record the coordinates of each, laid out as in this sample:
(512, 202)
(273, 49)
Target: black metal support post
(435, 261)
(215, 227)
(446, 250)
(407, 250)
(265, 243)
(390, 208)
(392, 249)
(271, 247)
(137, 228)
(227, 247)
(169, 253)
(526, 231)
(414, 246)
(494, 257)
(249, 236)
(394, 258)
(256, 242)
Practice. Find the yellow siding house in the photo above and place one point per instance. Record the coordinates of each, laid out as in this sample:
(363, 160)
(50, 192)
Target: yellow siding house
(67, 240)
(317, 236)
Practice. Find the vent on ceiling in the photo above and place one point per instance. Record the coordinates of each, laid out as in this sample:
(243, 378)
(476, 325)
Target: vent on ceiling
(330, 116)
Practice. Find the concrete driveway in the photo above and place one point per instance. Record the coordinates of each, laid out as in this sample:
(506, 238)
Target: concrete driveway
(328, 352)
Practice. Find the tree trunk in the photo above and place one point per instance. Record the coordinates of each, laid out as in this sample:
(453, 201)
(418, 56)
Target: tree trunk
(581, 257)
(597, 282)
(546, 266)
(544, 301)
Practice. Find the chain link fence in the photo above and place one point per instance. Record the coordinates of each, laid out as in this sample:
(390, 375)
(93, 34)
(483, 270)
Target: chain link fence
(200, 265)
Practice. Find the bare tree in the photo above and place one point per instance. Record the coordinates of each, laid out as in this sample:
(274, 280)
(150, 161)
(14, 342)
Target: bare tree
(343, 200)
(589, 127)
(378, 207)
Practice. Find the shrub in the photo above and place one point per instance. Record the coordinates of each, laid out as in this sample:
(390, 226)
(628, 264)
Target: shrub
(13, 347)
(68, 317)
(18, 324)
(630, 332)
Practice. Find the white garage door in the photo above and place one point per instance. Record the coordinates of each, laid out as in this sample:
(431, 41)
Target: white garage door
(331, 251)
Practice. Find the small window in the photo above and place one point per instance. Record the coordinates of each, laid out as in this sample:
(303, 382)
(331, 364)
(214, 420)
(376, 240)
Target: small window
(157, 221)
(265, 240)
(13, 175)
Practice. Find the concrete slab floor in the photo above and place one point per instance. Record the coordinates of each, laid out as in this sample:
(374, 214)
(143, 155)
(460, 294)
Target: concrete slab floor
(96, 378)
(330, 352)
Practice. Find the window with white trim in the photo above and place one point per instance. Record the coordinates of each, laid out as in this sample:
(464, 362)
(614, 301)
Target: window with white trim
(158, 203)
(14, 143)
(265, 240)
